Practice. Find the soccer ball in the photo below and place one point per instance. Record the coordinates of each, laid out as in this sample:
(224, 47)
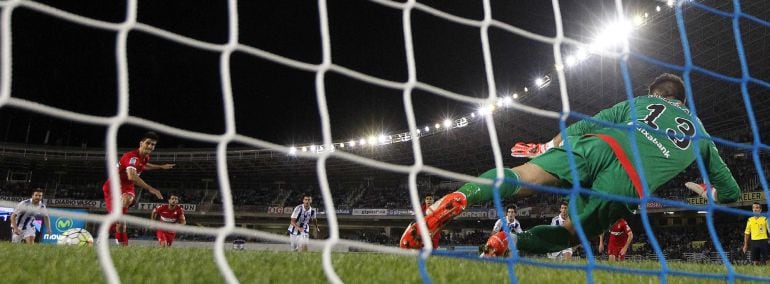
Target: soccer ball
(76, 237)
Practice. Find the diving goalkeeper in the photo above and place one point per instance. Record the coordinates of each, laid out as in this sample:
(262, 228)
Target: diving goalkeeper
(604, 164)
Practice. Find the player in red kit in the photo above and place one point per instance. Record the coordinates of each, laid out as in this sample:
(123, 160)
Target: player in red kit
(425, 204)
(130, 167)
(621, 237)
(169, 213)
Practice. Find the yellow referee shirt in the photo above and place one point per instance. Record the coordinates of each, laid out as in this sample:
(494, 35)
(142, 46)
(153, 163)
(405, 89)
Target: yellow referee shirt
(757, 227)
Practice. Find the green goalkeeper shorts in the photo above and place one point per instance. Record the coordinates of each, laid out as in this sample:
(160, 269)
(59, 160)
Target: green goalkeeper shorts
(597, 169)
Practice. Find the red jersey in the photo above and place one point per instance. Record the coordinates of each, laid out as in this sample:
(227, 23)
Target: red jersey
(168, 214)
(619, 233)
(130, 159)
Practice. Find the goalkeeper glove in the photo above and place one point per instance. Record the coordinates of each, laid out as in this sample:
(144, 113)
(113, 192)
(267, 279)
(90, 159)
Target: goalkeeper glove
(700, 189)
(529, 150)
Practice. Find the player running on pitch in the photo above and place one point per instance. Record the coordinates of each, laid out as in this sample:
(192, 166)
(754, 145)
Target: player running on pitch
(22, 227)
(603, 164)
(299, 225)
(499, 236)
(130, 167)
(171, 213)
(620, 240)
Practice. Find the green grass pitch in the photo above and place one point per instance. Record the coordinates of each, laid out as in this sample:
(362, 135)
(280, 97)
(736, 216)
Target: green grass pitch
(57, 264)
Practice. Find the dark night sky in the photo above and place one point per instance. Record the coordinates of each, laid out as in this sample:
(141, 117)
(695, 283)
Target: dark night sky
(69, 66)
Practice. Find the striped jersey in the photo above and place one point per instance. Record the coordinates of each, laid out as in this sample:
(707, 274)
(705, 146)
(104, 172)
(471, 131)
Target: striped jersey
(514, 225)
(24, 218)
(558, 221)
(303, 217)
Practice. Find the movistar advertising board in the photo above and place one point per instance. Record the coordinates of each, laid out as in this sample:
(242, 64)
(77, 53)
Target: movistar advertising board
(59, 224)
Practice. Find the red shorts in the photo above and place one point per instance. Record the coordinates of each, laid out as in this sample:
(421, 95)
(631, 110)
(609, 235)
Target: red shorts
(108, 197)
(166, 236)
(615, 250)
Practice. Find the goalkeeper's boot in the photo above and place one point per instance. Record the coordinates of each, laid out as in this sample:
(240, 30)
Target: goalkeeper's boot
(436, 217)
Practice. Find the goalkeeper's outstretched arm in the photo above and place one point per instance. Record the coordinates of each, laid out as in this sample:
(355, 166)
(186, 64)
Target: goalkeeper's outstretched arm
(615, 114)
(531, 150)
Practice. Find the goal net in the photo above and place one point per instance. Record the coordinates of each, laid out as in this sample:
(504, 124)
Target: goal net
(512, 71)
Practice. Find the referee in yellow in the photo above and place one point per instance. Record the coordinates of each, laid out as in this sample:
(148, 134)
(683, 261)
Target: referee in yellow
(756, 228)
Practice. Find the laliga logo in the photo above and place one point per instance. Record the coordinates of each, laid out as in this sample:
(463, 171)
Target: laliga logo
(63, 224)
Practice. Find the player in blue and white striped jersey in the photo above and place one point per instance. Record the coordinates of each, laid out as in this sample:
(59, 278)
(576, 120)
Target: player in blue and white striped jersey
(497, 244)
(22, 218)
(513, 224)
(299, 229)
(561, 220)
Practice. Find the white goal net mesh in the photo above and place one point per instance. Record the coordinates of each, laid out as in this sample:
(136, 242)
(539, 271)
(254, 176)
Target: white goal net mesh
(322, 70)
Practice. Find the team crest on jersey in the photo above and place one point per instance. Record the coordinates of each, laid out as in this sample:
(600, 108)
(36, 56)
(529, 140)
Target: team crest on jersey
(132, 161)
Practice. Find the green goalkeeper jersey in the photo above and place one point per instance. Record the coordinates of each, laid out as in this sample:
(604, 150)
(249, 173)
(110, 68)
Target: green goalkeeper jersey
(663, 156)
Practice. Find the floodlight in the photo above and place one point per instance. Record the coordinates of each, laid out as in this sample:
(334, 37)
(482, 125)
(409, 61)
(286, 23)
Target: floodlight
(571, 60)
(485, 110)
(581, 54)
(612, 35)
(507, 101)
